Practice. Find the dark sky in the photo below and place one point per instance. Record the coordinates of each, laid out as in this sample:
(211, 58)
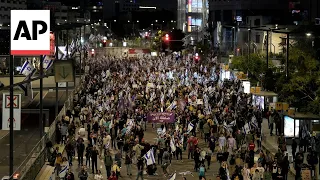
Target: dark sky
(167, 4)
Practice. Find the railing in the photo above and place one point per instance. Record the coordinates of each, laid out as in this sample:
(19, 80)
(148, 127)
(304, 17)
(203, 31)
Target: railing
(32, 164)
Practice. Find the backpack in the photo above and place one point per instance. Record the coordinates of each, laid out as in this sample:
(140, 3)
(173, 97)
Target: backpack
(202, 171)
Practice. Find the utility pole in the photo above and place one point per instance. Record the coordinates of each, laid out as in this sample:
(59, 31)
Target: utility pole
(11, 70)
(41, 97)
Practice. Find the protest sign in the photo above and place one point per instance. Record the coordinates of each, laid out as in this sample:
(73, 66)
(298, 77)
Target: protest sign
(160, 117)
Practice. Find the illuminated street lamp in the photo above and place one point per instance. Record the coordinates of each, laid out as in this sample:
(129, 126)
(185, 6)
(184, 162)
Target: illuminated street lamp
(308, 34)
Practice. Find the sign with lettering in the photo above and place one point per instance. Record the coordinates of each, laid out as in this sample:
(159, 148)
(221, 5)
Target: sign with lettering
(160, 117)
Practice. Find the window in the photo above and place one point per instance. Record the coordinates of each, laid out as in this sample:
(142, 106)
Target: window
(257, 38)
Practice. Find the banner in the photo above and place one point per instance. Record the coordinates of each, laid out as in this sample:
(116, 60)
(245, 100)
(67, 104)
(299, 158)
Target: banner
(160, 117)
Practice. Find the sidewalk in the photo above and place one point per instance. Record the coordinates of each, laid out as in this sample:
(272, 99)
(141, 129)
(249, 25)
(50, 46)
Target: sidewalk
(270, 143)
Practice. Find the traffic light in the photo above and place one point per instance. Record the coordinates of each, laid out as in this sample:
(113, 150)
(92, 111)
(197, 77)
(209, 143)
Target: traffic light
(104, 43)
(196, 57)
(92, 52)
(167, 37)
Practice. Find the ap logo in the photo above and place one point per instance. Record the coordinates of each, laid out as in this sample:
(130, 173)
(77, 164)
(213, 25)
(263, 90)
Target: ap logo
(30, 32)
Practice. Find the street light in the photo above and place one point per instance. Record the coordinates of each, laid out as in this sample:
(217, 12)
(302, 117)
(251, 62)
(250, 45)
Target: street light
(308, 34)
(128, 21)
(137, 21)
(114, 20)
(156, 20)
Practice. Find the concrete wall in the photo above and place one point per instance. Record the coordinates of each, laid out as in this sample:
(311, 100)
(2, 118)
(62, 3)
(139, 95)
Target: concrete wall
(47, 82)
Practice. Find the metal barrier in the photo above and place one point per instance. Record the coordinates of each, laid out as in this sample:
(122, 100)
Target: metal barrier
(32, 164)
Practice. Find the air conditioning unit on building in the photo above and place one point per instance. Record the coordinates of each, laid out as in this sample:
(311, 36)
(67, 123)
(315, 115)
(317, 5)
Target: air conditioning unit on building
(317, 21)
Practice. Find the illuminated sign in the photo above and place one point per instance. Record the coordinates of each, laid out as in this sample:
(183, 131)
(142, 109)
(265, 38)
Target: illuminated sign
(189, 23)
(189, 5)
(52, 44)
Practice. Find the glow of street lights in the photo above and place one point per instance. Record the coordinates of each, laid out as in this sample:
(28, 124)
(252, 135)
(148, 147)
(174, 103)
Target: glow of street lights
(151, 24)
(137, 21)
(114, 20)
(171, 20)
(128, 21)
(308, 34)
(156, 20)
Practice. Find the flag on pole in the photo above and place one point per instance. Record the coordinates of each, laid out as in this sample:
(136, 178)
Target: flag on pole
(173, 177)
(27, 68)
(172, 145)
(47, 62)
(164, 131)
(26, 87)
(254, 122)
(246, 128)
(190, 127)
(149, 157)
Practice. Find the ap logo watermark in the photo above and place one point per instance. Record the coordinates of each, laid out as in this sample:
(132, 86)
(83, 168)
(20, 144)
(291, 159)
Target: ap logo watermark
(30, 32)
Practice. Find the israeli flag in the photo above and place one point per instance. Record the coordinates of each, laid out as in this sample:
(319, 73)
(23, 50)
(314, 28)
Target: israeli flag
(27, 68)
(149, 157)
(172, 145)
(233, 123)
(254, 122)
(27, 87)
(47, 62)
(173, 105)
(173, 177)
(164, 131)
(190, 127)
(246, 128)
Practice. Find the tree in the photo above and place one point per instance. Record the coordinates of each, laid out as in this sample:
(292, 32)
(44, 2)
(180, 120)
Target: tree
(301, 88)
(255, 65)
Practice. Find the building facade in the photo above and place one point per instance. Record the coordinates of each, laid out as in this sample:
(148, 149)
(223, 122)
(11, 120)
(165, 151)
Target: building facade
(114, 8)
(6, 6)
(192, 17)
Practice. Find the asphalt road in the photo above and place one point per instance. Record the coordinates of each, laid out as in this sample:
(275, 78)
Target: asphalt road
(26, 139)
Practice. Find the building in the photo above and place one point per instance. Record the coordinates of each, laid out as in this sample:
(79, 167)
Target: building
(230, 12)
(63, 14)
(114, 8)
(192, 16)
(6, 6)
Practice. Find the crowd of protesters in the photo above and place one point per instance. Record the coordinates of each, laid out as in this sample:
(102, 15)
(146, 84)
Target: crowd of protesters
(110, 112)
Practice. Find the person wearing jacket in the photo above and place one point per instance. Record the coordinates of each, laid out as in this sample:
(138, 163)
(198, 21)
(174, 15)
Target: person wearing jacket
(69, 176)
(108, 162)
(128, 163)
(116, 169)
(206, 131)
(70, 152)
(83, 175)
(58, 163)
(64, 132)
(80, 151)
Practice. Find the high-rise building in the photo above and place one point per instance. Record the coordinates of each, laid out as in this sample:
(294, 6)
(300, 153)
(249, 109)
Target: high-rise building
(232, 11)
(113, 8)
(192, 16)
(6, 6)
